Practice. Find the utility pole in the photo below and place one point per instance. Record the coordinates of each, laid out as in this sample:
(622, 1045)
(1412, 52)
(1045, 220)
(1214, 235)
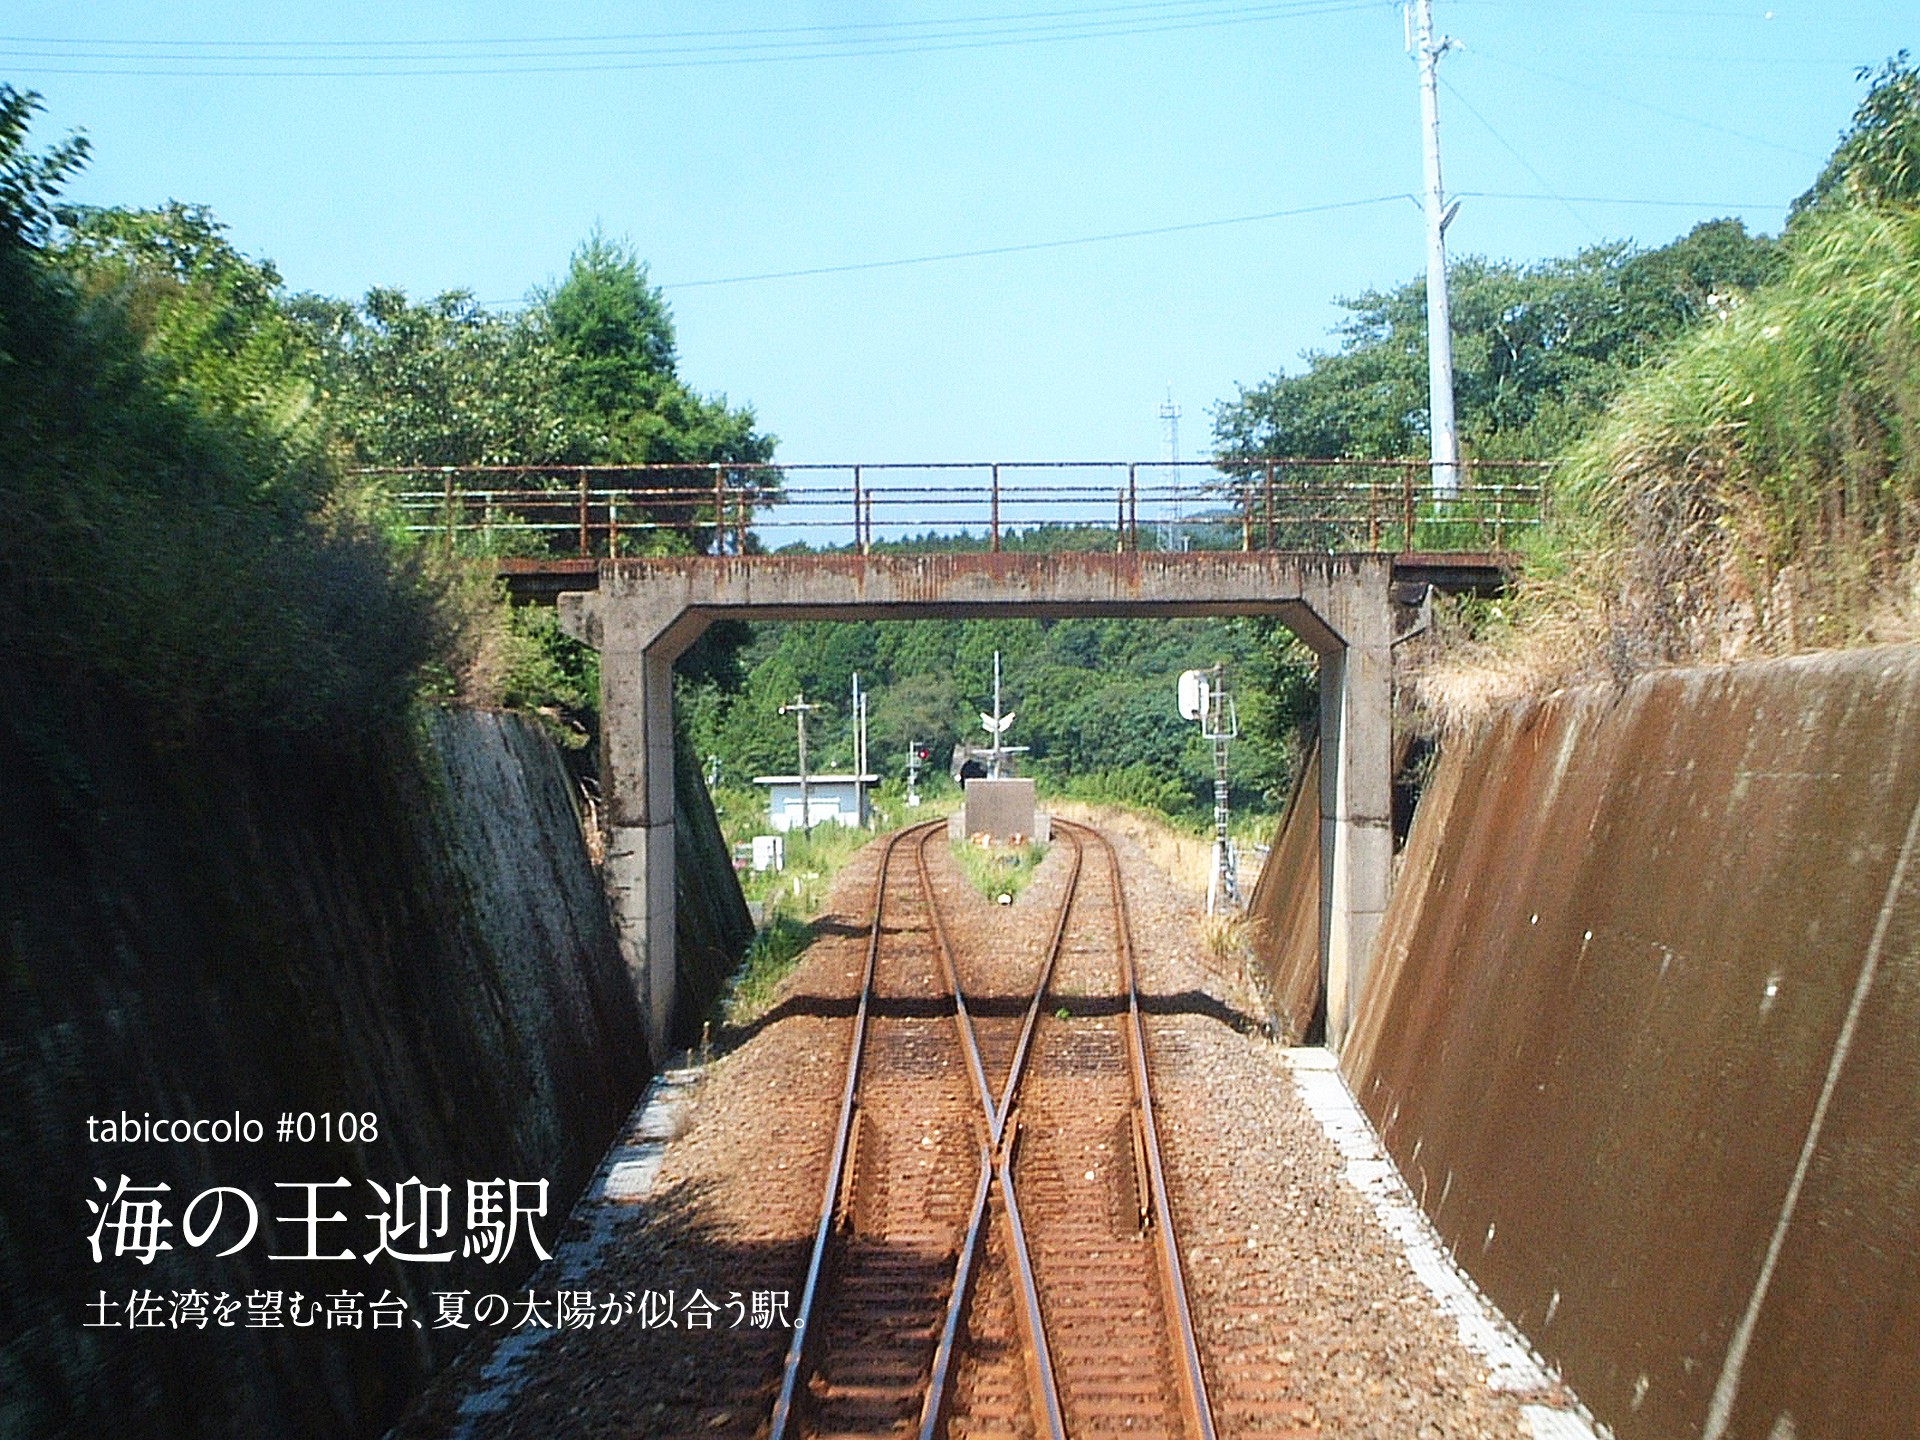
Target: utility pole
(1440, 422)
(798, 709)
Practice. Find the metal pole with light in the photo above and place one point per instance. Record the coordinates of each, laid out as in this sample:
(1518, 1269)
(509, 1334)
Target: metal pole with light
(996, 725)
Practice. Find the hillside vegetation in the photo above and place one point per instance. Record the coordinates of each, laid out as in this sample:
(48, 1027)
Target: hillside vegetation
(1755, 489)
(175, 531)
(183, 442)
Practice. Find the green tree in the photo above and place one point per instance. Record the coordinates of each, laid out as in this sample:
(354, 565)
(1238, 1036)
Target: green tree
(1095, 700)
(1537, 351)
(611, 330)
(585, 376)
(175, 534)
(30, 183)
(213, 328)
(1878, 159)
(436, 382)
(918, 707)
(613, 340)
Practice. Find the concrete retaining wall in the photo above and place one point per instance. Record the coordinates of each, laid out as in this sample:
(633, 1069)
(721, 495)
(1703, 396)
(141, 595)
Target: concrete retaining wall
(1285, 909)
(1641, 1035)
(405, 924)
(712, 925)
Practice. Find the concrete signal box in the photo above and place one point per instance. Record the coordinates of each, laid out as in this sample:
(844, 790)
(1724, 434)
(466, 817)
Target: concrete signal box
(1000, 810)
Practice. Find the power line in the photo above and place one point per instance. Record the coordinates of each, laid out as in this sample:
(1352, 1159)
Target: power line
(902, 262)
(1646, 105)
(1781, 62)
(757, 31)
(419, 65)
(1755, 13)
(1722, 205)
(1525, 163)
(1034, 245)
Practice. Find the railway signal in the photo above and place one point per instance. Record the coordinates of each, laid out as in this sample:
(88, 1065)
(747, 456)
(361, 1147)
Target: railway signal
(1204, 697)
(996, 725)
(917, 757)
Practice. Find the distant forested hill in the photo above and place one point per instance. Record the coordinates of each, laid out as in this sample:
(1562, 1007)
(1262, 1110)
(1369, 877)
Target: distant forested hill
(1093, 698)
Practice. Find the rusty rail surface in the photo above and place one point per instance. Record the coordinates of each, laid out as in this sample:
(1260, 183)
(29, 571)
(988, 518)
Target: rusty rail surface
(802, 1351)
(1043, 1390)
(1193, 1384)
(1222, 504)
(1062, 1105)
(1004, 1150)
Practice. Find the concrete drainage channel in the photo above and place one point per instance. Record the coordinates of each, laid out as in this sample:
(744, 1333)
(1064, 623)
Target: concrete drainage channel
(1512, 1366)
(613, 1201)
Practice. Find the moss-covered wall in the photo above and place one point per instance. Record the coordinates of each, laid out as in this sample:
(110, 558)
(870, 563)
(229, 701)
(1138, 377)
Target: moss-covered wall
(405, 924)
(712, 925)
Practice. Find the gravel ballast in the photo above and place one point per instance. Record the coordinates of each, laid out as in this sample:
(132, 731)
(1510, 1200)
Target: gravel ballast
(1311, 1318)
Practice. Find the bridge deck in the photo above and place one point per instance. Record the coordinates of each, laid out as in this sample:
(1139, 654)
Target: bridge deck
(542, 581)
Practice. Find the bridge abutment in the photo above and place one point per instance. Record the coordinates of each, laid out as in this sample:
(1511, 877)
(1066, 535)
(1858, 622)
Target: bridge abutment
(637, 789)
(1356, 808)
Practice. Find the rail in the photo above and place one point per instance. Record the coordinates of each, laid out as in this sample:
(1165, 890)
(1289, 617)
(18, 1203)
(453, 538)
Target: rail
(1002, 1131)
(1193, 1385)
(799, 1351)
(997, 1166)
(1257, 504)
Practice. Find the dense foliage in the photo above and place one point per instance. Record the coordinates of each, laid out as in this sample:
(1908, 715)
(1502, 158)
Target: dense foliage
(1093, 698)
(585, 375)
(180, 438)
(1756, 489)
(1759, 492)
(1538, 350)
(183, 444)
(175, 531)
(1877, 162)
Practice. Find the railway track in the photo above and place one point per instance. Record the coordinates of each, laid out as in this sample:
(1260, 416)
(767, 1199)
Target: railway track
(994, 1251)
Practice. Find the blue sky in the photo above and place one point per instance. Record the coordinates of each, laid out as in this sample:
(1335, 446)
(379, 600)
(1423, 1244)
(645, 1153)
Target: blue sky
(439, 146)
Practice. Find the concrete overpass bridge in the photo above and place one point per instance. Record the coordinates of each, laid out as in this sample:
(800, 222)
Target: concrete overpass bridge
(1343, 553)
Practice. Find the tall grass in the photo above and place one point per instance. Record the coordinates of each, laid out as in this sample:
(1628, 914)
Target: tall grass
(1755, 492)
(775, 950)
(1185, 859)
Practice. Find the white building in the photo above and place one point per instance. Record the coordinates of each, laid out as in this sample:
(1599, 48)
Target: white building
(831, 799)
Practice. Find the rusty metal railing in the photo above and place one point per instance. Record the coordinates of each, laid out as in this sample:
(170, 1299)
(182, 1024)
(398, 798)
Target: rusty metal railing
(1254, 504)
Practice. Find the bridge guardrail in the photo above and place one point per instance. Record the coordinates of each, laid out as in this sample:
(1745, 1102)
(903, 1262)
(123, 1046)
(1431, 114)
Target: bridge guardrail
(1258, 504)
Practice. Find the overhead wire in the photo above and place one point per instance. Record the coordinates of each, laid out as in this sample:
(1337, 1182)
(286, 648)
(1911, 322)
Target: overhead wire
(756, 31)
(1661, 110)
(1525, 163)
(1147, 232)
(1033, 245)
(420, 62)
(1628, 200)
(676, 49)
